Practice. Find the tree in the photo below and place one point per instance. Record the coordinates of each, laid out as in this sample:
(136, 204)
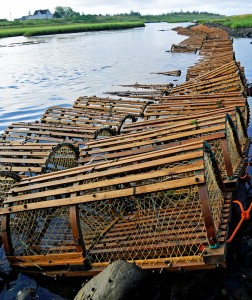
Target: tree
(66, 12)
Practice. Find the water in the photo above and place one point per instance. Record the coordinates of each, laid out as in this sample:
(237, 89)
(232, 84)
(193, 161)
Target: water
(243, 50)
(40, 72)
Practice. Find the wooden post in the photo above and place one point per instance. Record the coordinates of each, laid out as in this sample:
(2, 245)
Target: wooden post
(227, 158)
(207, 216)
(5, 228)
(76, 230)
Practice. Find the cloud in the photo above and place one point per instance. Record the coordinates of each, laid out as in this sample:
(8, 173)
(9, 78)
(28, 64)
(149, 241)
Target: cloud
(159, 6)
(19, 8)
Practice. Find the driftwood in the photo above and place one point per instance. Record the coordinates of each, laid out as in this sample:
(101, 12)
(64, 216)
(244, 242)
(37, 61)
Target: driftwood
(168, 73)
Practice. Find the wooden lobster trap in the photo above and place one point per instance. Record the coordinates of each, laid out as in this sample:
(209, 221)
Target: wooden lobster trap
(199, 120)
(215, 98)
(7, 181)
(226, 78)
(196, 121)
(170, 109)
(52, 133)
(111, 106)
(163, 209)
(32, 158)
(76, 117)
(222, 137)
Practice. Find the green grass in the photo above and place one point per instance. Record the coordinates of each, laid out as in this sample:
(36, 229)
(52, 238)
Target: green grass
(43, 29)
(239, 21)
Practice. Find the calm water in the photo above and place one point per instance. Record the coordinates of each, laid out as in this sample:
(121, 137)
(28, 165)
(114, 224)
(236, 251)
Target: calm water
(243, 50)
(39, 72)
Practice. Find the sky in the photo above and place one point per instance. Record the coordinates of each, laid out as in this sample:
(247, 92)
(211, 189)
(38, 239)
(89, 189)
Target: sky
(12, 9)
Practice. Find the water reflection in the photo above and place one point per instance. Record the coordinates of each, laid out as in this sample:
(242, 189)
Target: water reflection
(55, 70)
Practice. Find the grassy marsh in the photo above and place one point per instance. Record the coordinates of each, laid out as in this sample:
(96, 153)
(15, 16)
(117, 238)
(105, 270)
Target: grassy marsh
(47, 29)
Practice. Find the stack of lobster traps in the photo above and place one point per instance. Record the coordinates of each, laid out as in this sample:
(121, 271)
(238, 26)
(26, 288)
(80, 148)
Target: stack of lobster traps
(148, 178)
(160, 209)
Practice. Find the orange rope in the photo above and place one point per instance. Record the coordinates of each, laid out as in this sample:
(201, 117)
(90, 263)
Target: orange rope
(245, 215)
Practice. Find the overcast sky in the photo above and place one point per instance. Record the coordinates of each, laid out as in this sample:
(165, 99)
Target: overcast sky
(11, 9)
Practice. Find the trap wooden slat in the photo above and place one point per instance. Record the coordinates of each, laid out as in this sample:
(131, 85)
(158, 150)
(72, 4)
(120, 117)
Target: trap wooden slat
(52, 133)
(104, 200)
(196, 121)
(222, 136)
(76, 117)
(170, 109)
(32, 159)
(7, 181)
(111, 106)
(191, 97)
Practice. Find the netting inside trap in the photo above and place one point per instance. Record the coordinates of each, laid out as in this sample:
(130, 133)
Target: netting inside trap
(232, 147)
(7, 181)
(240, 130)
(153, 226)
(149, 211)
(42, 231)
(215, 194)
(62, 157)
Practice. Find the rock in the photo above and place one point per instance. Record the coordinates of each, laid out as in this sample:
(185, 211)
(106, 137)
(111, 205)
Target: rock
(26, 294)
(116, 281)
(25, 288)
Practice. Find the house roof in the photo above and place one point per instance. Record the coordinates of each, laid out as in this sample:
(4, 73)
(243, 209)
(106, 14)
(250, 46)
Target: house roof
(41, 11)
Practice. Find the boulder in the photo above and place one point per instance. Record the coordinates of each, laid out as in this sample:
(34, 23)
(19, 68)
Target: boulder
(117, 281)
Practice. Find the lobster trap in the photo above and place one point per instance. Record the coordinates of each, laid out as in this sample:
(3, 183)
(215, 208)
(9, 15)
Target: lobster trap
(33, 158)
(77, 117)
(222, 137)
(7, 181)
(111, 106)
(52, 133)
(187, 108)
(163, 209)
(201, 120)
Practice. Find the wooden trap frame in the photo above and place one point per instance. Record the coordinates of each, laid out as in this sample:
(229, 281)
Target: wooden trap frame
(196, 121)
(7, 181)
(162, 209)
(222, 137)
(166, 110)
(76, 117)
(226, 78)
(111, 106)
(52, 133)
(32, 158)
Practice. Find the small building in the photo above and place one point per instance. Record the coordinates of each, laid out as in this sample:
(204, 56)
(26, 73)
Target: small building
(38, 14)
(42, 14)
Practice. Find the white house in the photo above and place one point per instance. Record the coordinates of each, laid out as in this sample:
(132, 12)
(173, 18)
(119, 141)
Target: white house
(39, 14)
